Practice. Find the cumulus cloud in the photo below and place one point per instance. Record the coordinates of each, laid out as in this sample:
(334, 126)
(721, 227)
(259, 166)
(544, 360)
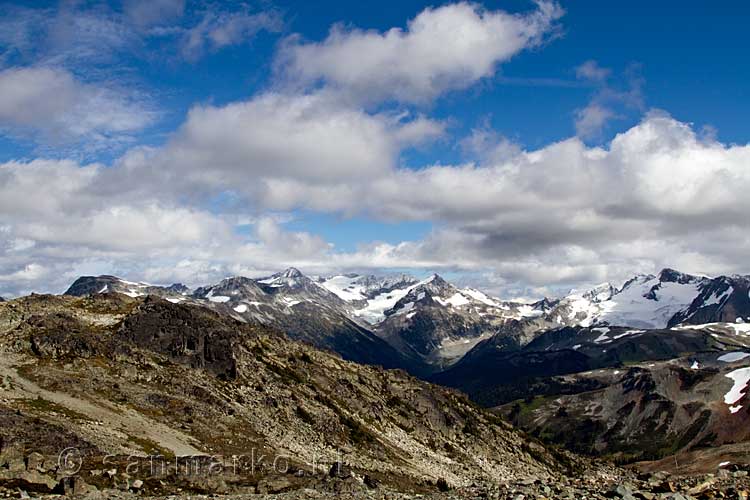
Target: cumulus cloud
(269, 147)
(658, 195)
(205, 204)
(442, 49)
(52, 104)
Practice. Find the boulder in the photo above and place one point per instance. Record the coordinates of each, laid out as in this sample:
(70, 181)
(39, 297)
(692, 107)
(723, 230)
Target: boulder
(340, 471)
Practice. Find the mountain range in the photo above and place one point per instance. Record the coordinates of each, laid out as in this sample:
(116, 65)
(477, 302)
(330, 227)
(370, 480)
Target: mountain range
(426, 326)
(520, 358)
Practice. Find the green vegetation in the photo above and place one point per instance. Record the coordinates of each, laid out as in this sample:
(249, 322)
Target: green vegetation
(42, 405)
(358, 433)
(151, 448)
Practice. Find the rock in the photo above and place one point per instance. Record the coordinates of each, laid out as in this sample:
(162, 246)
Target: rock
(273, 485)
(620, 491)
(137, 484)
(676, 496)
(370, 482)
(665, 487)
(723, 474)
(700, 488)
(32, 481)
(73, 486)
(35, 461)
(340, 471)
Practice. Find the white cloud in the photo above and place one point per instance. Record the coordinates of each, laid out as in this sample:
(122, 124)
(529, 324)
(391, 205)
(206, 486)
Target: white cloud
(222, 29)
(442, 49)
(52, 105)
(590, 120)
(658, 195)
(608, 101)
(272, 143)
(590, 70)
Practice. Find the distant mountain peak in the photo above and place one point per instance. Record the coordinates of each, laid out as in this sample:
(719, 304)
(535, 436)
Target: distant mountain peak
(600, 293)
(673, 276)
(435, 280)
(292, 272)
(290, 277)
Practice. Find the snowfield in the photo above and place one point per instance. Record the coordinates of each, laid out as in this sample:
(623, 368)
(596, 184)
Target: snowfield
(740, 378)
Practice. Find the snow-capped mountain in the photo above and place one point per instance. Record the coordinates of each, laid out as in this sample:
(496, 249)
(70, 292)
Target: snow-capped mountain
(665, 300)
(426, 325)
(288, 301)
(722, 299)
(645, 301)
(369, 296)
(298, 306)
(429, 320)
(439, 322)
(356, 287)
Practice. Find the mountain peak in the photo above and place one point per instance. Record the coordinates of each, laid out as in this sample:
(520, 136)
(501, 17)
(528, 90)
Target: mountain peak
(435, 279)
(670, 275)
(87, 285)
(600, 293)
(292, 272)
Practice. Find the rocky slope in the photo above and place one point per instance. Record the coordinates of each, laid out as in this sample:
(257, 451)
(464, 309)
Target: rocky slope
(112, 375)
(692, 406)
(502, 369)
(627, 393)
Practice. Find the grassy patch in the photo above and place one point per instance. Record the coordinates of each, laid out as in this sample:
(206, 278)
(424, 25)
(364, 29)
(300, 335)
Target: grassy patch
(44, 406)
(150, 447)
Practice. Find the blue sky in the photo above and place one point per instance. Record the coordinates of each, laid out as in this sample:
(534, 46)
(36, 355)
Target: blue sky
(154, 116)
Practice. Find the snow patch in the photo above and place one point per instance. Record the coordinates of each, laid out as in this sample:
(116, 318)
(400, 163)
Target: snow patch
(217, 298)
(347, 288)
(456, 300)
(603, 338)
(732, 357)
(740, 377)
(737, 328)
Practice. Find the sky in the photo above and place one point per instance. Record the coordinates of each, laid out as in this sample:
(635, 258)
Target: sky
(524, 148)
